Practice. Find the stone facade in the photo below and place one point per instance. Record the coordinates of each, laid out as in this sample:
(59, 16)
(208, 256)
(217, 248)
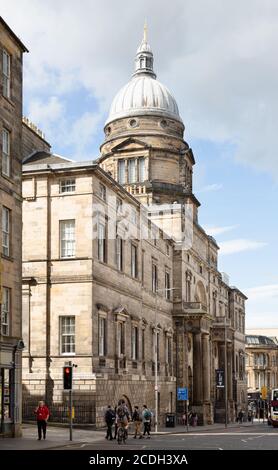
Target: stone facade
(176, 290)
(11, 50)
(261, 363)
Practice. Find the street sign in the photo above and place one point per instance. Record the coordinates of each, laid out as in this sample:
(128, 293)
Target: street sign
(182, 394)
(219, 379)
(264, 392)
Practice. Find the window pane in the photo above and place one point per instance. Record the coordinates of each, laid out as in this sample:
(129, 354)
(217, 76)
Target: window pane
(67, 235)
(67, 331)
(131, 171)
(5, 311)
(67, 186)
(6, 152)
(121, 171)
(142, 176)
(5, 231)
(6, 68)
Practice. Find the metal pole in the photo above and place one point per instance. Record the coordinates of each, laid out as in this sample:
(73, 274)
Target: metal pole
(155, 368)
(226, 378)
(70, 407)
(187, 424)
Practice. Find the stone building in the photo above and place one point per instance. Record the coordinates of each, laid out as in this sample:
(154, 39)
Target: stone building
(11, 50)
(261, 363)
(163, 280)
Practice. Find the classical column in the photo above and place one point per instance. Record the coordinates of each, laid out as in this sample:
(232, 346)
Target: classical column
(197, 369)
(206, 366)
(230, 372)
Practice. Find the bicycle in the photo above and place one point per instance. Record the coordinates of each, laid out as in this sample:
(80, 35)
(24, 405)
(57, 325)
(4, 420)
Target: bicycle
(122, 434)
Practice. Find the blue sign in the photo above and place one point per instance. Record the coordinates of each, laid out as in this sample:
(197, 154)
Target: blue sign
(182, 394)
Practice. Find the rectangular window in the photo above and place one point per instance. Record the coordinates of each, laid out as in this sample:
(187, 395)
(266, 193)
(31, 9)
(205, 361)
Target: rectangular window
(143, 344)
(102, 336)
(102, 242)
(67, 238)
(67, 186)
(121, 171)
(5, 311)
(6, 223)
(143, 267)
(6, 74)
(6, 160)
(134, 271)
(154, 277)
(121, 338)
(102, 192)
(167, 286)
(134, 343)
(119, 253)
(142, 174)
(131, 171)
(67, 335)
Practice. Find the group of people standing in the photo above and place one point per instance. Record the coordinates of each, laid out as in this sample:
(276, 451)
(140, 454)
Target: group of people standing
(121, 417)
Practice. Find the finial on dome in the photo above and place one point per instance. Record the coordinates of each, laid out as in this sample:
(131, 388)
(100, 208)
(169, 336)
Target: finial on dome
(144, 56)
(145, 31)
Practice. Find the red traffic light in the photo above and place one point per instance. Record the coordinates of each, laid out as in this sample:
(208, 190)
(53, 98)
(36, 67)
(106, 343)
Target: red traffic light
(67, 370)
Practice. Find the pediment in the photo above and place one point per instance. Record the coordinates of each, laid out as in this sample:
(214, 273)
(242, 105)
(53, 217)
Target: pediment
(130, 144)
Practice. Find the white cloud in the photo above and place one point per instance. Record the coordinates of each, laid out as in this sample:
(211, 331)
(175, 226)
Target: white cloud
(238, 245)
(219, 230)
(48, 112)
(218, 59)
(262, 306)
(210, 187)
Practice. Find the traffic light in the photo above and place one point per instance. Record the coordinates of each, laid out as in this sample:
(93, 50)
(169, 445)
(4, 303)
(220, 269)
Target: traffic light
(67, 377)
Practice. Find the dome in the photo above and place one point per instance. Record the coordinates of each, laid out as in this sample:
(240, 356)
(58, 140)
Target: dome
(143, 94)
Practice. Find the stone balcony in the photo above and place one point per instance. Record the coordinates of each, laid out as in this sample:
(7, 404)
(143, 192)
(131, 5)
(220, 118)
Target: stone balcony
(190, 308)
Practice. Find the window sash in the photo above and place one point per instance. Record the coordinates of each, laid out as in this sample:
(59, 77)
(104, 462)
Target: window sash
(154, 278)
(102, 192)
(167, 286)
(119, 253)
(6, 152)
(67, 335)
(134, 261)
(102, 334)
(5, 311)
(6, 74)
(67, 186)
(121, 339)
(134, 343)
(101, 242)
(121, 171)
(131, 171)
(142, 171)
(5, 231)
(67, 238)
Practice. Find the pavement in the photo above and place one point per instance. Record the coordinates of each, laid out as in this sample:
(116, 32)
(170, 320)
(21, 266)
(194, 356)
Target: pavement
(215, 436)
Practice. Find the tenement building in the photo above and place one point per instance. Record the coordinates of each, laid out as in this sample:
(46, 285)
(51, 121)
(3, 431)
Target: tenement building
(119, 277)
(11, 52)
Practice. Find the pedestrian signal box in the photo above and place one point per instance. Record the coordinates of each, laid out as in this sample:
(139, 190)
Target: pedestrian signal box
(67, 374)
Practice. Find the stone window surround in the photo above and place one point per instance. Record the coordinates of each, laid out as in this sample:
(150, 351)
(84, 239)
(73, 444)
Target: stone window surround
(102, 316)
(136, 159)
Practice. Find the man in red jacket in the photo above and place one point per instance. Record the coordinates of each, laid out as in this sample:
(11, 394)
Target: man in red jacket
(42, 414)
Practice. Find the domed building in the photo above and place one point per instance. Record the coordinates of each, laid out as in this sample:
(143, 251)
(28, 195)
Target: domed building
(144, 149)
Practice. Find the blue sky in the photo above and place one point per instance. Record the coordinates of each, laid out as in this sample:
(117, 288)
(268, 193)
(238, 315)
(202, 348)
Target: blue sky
(219, 61)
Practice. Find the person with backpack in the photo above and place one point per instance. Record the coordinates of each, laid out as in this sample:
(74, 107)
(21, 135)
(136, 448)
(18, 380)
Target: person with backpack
(109, 419)
(147, 416)
(137, 421)
(123, 417)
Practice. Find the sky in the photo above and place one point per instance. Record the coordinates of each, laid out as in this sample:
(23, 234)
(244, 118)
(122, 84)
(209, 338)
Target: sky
(219, 60)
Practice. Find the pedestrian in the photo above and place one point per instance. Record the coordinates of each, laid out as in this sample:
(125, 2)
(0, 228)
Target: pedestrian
(136, 418)
(240, 416)
(109, 419)
(146, 416)
(42, 415)
(194, 419)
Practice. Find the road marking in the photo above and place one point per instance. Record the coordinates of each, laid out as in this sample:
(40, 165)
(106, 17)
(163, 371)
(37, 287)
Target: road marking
(243, 440)
(220, 448)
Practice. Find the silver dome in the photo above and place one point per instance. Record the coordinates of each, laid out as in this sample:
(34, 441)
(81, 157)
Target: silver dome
(143, 94)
